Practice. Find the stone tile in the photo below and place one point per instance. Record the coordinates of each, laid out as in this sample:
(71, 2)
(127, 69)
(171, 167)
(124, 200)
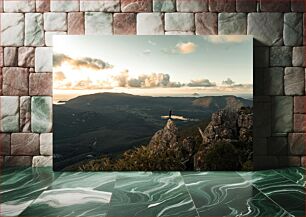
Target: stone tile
(297, 5)
(299, 104)
(40, 84)
(262, 120)
(164, 5)
(259, 80)
(282, 117)
(18, 161)
(179, 22)
(42, 161)
(42, 5)
(46, 144)
(298, 56)
(289, 161)
(274, 81)
(25, 144)
(192, 5)
(10, 56)
(304, 29)
(19, 6)
(136, 5)
(178, 33)
(41, 114)
(64, 6)
(299, 123)
(12, 24)
(124, 24)
(5, 144)
(280, 56)
(43, 59)
(101, 5)
(76, 23)
(55, 21)
(150, 24)
(1, 56)
(222, 5)
(271, 6)
(206, 23)
(26, 56)
(267, 28)
(232, 24)
(265, 162)
(34, 30)
(294, 81)
(25, 114)
(246, 5)
(261, 56)
(1, 80)
(293, 29)
(296, 143)
(15, 81)
(49, 37)
(9, 115)
(278, 146)
(98, 23)
(303, 161)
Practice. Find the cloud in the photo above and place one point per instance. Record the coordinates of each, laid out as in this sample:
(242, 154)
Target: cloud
(122, 78)
(228, 82)
(86, 62)
(152, 43)
(186, 47)
(201, 83)
(147, 52)
(152, 80)
(59, 76)
(225, 39)
(181, 48)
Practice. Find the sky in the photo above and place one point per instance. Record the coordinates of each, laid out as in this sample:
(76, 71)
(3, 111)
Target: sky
(153, 65)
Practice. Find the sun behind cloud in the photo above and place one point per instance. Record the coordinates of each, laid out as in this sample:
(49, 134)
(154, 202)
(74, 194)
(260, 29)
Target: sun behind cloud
(186, 47)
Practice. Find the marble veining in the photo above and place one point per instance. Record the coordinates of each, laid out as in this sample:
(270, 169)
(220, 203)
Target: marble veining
(42, 192)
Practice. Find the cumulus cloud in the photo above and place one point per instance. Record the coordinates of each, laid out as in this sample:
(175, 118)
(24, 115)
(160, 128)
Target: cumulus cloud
(201, 83)
(186, 47)
(152, 80)
(59, 76)
(226, 39)
(228, 82)
(122, 78)
(86, 62)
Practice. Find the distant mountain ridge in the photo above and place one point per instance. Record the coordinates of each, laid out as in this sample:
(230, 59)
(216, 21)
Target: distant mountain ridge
(114, 122)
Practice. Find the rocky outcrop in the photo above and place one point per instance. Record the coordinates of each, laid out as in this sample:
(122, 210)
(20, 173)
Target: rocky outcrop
(166, 137)
(228, 126)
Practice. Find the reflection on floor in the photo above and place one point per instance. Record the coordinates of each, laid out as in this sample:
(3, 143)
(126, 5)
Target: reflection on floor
(42, 192)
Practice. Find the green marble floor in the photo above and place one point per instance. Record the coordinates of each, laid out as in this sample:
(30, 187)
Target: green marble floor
(42, 192)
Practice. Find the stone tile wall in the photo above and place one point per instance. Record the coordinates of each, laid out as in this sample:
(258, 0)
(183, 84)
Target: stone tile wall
(27, 27)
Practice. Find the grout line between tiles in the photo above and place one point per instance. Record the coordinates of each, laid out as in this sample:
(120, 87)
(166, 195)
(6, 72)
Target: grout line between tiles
(266, 196)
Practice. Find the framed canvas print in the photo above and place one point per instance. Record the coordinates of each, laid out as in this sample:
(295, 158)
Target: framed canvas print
(153, 103)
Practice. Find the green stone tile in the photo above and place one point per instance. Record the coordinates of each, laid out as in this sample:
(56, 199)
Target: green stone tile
(184, 208)
(296, 174)
(285, 192)
(41, 114)
(228, 194)
(75, 194)
(70, 202)
(102, 181)
(148, 187)
(19, 191)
